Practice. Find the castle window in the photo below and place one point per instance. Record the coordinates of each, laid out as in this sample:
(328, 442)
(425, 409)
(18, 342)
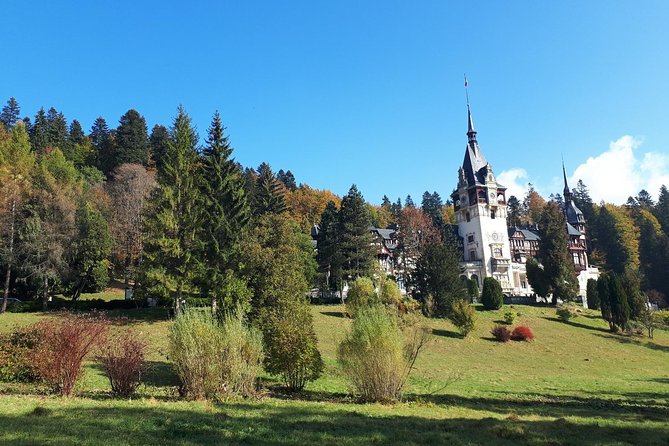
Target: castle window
(472, 254)
(468, 217)
(492, 214)
(470, 239)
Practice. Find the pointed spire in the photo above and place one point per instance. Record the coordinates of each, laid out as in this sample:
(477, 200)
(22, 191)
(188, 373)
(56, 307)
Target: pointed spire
(566, 191)
(471, 133)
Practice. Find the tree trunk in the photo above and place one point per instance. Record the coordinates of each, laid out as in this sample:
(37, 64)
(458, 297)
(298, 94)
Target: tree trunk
(8, 274)
(45, 294)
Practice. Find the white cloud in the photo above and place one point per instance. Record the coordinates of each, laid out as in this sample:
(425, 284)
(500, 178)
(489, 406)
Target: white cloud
(618, 173)
(515, 181)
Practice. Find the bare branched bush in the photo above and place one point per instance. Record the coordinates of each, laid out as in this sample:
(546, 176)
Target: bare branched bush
(122, 356)
(376, 357)
(67, 342)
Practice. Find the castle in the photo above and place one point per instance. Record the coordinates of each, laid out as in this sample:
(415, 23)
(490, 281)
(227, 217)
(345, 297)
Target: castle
(490, 247)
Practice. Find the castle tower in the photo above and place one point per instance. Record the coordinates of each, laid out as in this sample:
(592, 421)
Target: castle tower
(481, 211)
(575, 228)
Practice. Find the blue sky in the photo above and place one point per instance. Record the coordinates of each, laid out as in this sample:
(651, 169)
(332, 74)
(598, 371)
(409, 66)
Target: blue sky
(370, 92)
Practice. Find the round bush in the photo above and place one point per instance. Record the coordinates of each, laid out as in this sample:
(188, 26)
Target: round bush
(522, 333)
(501, 333)
(360, 294)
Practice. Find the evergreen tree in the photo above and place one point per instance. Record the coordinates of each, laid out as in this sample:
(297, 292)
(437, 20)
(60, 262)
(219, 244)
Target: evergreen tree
(653, 252)
(492, 297)
(328, 254)
(645, 200)
(661, 209)
(620, 309)
(91, 251)
(355, 239)
(132, 141)
(396, 208)
(437, 276)
(515, 216)
(174, 223)
(76, 133)
(434, 207)
(618, 238)
(288, 180)
(269, 196)
(39, 132)
(604, 294)
(158, 141)
(592, 295)
(386, 204)
(103, 144)
(554, 253)
(537, 278)
(57, 130)
(9, 115)
(408, 202)
(227, 214)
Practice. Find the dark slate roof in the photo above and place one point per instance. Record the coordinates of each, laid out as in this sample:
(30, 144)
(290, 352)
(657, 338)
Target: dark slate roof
(572, 230)
(527, 234)
(474, 164)
(574, 214)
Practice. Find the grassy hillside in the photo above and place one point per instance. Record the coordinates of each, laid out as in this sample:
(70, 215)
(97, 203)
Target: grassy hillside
(575, 384)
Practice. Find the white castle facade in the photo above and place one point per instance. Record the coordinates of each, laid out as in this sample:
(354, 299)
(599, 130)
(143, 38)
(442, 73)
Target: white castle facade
(490, 247)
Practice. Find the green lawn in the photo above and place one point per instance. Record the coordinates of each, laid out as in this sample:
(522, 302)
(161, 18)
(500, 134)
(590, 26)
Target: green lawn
(575, 384)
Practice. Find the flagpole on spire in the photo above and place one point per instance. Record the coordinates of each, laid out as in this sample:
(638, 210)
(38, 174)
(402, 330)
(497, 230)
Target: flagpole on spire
(467, 91)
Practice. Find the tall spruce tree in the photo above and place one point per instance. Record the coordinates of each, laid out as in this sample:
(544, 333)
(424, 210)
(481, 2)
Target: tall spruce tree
(515, 211)
(227, 214)
(355, 238)
(288, 179)
(269, 193)
(132, 141)
(158, 142)
(9, 115)
(328, 254)
(57, 130)
(173, 227)
(39, 132)
(554, 253)
(661, 209)
(103, 144)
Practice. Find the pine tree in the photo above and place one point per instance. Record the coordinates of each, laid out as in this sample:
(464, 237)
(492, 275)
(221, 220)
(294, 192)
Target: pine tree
(661, 209)
(174, 223)
(76, 134)
(620, 309)
(104, 145)
(604, 294)
(437, 276)
(645, 200)
(132, 141)
(91, 251)
(39, 132)
(57, 130)
(408, 202)
(9, 115)
(433, 206)
(288, 179)
(158, 141)
(515, 216)
(355, 239)
(554, 253)
(592, 295)
(269, 196)
(328, 254)
(227, 214)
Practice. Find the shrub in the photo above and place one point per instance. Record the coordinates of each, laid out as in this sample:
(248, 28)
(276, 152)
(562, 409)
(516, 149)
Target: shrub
(290, 343)
(473, 288)
(566, 311)
(492, 297)
(389, 293)
(663, 316)
(509, 317)
(122, 357)
(374, 356)
(195, 346)
(501, 333)
(15, 354)
(463, 316)
(591, 295)
(522, 333)
(360, 294)
(242, 354)
(68, 340)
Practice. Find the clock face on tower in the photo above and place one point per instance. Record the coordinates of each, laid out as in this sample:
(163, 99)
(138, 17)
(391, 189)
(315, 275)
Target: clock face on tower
(492, 196)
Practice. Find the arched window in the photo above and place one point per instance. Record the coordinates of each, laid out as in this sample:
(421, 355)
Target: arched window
(476, 279)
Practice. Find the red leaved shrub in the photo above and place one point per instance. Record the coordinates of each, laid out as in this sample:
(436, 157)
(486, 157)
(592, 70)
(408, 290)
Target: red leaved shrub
(122, 356)
(522, 333)
(67, 341)
(501, 333)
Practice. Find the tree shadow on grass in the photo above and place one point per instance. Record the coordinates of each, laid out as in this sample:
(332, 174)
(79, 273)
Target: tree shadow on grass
(629, 340)
(284, 424)
(334, 314)
(577, 324)
(446, 333)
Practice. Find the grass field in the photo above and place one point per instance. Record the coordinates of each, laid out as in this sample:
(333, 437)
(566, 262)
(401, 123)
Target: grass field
(576, 384)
